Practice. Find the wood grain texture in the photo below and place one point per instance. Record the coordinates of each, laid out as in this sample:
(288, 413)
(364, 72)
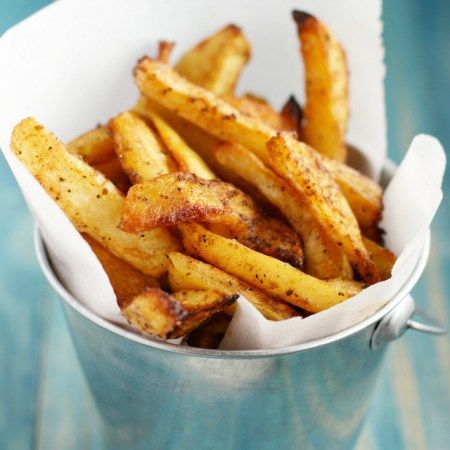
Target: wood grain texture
(44, 401)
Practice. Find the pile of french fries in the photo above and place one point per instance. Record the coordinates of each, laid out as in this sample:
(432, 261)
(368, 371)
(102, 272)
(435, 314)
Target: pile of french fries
(196, 195)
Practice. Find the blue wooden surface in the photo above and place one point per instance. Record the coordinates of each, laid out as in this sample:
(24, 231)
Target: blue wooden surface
(44, 402)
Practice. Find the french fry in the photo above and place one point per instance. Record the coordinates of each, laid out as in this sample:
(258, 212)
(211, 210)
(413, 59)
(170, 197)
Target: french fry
(292, 113)
(199, 306)
(155, 312)
(323, 258)
(91, 202)
(217, 62)
(363, 194)
(326, 85)
(112, 169)
(260, 109)
(165, 50)
(95, 147)
(298, 165)
(383, 258)
(183, 197)
(186, 158)
(138, 149)
(269, 274)
(188, 273)
(210, 333)
(217, 117)
(126, 281)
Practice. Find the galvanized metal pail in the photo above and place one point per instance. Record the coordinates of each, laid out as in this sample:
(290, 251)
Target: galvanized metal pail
(155, 395)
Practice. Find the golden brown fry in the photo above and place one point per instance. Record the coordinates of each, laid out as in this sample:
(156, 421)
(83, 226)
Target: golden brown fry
(201, 107)
(95, 147)
(126, 281)
(217, 62)
(299, 166)
(210, 333)
(269, 274)
(259, 108)
(138, 149)
(183, 197)
(112, 169)
(199, 306)
(323, 258)
(188, 273)
(92, 203)
(186, 158)
(383, 258)
(164, 51)
(292, 113)
(155, 312)
(326, 85)
(363, 194)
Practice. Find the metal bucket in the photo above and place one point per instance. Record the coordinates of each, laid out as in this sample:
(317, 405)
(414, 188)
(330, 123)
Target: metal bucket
(155, 395)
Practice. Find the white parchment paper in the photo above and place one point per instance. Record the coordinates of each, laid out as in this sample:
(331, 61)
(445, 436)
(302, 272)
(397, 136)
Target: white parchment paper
(70, 67)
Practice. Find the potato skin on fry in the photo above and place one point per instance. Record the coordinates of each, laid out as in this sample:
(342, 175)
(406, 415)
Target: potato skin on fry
(217, 62)
(155, 312)
(183, 197)
(186, 272)
(383, 258)
(92, 203)
(326, 110)
(269, 274)
(302, 169)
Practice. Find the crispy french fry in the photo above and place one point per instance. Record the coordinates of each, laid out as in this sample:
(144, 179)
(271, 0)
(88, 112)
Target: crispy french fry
(126, 281)
(183, 197)
(186, 158)
(112, 169)
(323, 258)
(383, 258)
(217, 117)
(217, 62)
(95, 147)
(155, 312)
(292, 113)
(164, 51)
(259, 108)
(200, 306)
(363, 194)
(298, 165)
(188, 273)
(269, 274)
(138, 149)
(91, 202)
(210, 334)
(326, 84)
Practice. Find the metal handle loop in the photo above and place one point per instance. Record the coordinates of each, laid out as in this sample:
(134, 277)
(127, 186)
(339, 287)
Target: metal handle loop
(395, 323)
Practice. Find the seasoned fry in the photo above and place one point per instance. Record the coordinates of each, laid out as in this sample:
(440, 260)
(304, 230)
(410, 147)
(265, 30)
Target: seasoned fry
(269, 274)
(138, 149)
(91, 202)
(188, 273)
(298, 165)
(217, 62)
(95, 147)
(259, 108)
(200, 306)
(210, 334)
(326, 85)
(126, 281)
(383, 259)
(112, 169)
(363, 194)
(186, 158)
(183, 197)
(217, 117)
(155, 312)
(323, 258)
(292, 113)
(164, 51)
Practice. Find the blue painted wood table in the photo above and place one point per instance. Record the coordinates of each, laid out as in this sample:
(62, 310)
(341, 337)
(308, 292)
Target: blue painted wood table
(44, 402)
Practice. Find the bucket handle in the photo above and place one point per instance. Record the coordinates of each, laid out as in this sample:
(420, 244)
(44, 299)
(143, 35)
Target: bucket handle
(403, 317)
